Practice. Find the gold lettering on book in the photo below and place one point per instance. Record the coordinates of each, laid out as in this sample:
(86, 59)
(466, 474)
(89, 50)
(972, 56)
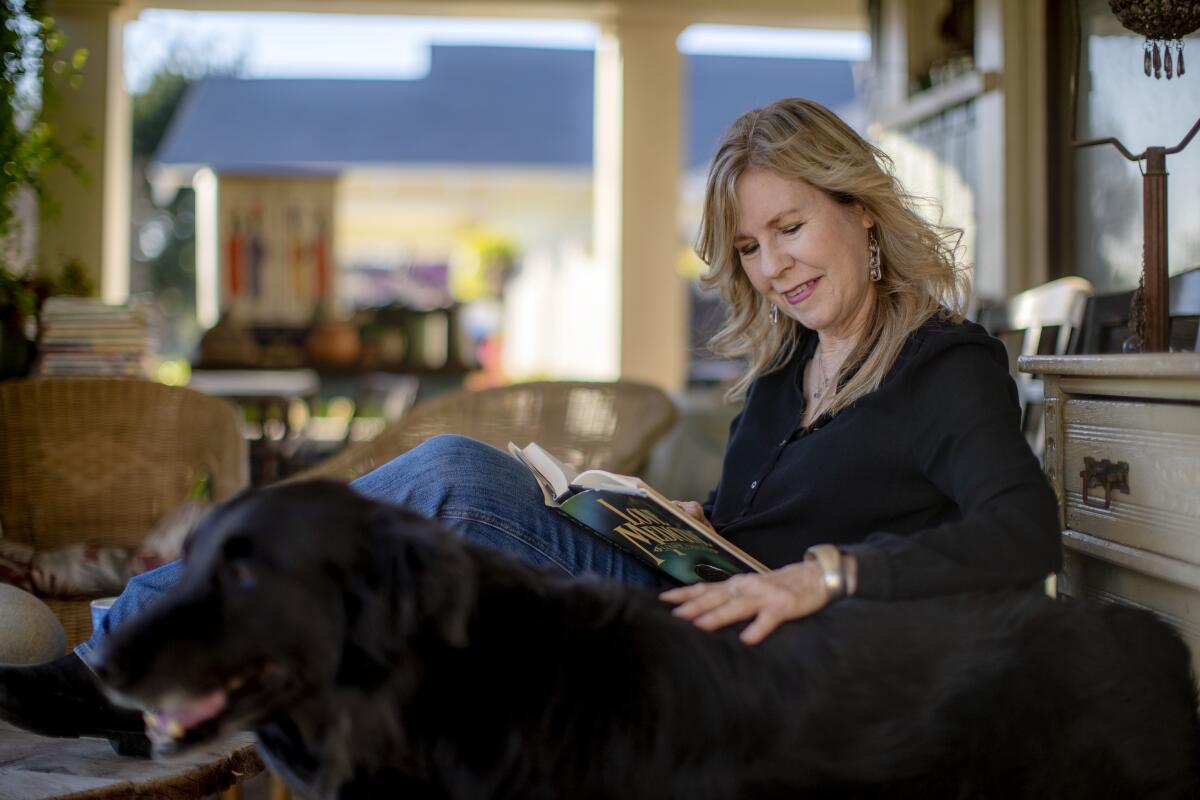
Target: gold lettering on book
(647, 531)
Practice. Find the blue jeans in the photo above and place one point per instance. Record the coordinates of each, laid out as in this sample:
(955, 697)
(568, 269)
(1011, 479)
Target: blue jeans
(484, 494)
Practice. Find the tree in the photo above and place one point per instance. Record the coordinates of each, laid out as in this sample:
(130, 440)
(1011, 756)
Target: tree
(167, 270)
(30, 43)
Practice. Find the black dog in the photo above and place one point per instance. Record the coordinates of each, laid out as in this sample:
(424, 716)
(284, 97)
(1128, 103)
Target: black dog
(375, 654)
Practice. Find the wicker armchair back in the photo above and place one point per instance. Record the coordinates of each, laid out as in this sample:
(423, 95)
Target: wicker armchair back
(586, 424)
(101, 461)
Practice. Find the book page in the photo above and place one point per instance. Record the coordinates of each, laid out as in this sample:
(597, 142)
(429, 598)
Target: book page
(559, 474)
(561, 478)
(549, 493)
(600, 479)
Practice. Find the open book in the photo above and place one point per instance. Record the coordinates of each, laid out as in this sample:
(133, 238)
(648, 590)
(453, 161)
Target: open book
(628, 513)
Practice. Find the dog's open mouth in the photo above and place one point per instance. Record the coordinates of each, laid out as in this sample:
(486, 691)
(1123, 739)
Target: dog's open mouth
(186, 721)
(176, 724)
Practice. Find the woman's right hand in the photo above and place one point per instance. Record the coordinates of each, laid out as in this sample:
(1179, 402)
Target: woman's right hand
(693, 510)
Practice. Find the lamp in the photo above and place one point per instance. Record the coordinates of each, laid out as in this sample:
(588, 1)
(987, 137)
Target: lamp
(1159, 21)
(1163, 22)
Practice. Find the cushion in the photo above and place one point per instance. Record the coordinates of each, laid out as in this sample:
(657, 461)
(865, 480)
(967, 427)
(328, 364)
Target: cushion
(89, 570)
(29, 631)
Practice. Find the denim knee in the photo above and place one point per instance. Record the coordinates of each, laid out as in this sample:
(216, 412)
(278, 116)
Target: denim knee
(446, 468)
(449, 447)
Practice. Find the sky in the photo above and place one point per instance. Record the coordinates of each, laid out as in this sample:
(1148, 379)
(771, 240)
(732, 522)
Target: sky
(264, 45)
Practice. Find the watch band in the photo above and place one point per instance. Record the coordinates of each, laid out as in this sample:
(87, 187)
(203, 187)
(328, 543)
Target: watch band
(833, 569)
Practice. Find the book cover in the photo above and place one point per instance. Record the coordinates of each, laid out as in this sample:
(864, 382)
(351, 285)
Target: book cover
(629, 514)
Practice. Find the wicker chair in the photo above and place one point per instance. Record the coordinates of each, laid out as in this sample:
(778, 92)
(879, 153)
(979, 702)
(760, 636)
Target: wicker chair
(100, 461)
(607, 425)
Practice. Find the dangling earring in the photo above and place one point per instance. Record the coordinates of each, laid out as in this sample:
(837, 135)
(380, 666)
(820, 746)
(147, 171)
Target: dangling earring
(774, 314)
(873, 250)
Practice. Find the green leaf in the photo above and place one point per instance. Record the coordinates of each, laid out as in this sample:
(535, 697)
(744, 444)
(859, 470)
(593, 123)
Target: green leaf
(29, 147)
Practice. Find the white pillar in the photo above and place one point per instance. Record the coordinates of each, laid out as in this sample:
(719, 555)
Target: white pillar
(92, 224)
(1010, 40)
(208, 293)
(638, 168)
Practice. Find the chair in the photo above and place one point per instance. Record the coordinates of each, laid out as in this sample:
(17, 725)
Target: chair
(101, 461)
(1106, 318)
(1043, 320)
(608, 425)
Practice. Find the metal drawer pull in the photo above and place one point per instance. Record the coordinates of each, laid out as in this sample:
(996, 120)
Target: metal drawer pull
(1107, 474)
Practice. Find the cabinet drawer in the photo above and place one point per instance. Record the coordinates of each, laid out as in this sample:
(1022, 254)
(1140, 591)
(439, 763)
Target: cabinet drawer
(1160, 442)
(1095, 570)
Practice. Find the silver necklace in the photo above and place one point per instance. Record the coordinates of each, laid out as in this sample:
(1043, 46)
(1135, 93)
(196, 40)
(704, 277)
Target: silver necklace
(823, 382)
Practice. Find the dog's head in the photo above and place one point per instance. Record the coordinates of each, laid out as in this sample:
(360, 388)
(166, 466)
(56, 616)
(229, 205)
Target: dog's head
(287, 594)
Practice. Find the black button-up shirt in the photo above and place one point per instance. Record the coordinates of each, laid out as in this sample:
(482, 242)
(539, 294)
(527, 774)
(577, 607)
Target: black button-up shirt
(928, 480)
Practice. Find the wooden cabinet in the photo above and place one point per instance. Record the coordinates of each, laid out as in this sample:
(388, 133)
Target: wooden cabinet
(1122, 451)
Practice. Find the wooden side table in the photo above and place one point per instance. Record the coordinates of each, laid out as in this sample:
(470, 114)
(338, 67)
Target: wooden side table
(1123, 455)
(270, 392)
(38, 768)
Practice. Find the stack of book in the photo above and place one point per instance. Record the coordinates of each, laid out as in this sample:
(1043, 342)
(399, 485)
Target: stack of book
(84, 336)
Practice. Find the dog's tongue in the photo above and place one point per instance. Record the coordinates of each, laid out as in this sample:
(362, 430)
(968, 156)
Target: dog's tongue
(189, 714)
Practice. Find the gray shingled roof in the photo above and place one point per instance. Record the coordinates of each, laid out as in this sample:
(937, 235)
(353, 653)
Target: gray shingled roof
(478, 105)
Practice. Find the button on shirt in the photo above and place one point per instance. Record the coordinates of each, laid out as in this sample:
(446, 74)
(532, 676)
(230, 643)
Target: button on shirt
(928, 480)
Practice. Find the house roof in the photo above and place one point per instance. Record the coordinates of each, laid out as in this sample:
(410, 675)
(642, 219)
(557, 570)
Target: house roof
(477, 105)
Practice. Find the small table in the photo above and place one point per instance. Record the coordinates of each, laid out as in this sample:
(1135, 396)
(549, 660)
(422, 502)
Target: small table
(270, 392)
(37, 768)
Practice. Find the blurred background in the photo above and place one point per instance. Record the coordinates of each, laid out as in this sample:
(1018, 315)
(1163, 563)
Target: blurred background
(328, 211)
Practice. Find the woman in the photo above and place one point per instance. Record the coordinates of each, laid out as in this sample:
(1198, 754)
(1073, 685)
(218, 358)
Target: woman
(876, 420)
(878, 452)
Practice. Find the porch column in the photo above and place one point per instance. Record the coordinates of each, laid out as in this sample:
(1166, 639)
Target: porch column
(638, 167)
(1010, 40)
(92, 225)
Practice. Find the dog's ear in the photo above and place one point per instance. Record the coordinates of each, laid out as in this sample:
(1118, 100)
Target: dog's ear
(413, 579)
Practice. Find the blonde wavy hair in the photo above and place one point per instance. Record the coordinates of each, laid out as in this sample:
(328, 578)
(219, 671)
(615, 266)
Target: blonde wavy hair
(803, 140)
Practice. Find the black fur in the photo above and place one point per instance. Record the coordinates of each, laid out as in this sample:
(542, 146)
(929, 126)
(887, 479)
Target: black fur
(388, 658)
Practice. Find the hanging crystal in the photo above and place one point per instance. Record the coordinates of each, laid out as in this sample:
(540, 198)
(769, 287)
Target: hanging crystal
(1163, 23)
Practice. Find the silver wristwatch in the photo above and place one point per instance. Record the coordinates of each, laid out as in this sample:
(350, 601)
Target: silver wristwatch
(833, 568)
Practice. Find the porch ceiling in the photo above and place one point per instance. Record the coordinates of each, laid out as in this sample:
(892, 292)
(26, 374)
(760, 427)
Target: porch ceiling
(829, 14)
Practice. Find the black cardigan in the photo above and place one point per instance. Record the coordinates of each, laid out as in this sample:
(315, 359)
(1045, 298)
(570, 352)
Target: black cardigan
(928, 480)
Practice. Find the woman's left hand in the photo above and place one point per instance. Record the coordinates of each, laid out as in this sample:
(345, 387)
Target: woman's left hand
(770, 599)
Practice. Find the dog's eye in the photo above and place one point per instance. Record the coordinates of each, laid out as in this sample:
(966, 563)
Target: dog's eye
(243, 574)
(236, 548)
(236, 552)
